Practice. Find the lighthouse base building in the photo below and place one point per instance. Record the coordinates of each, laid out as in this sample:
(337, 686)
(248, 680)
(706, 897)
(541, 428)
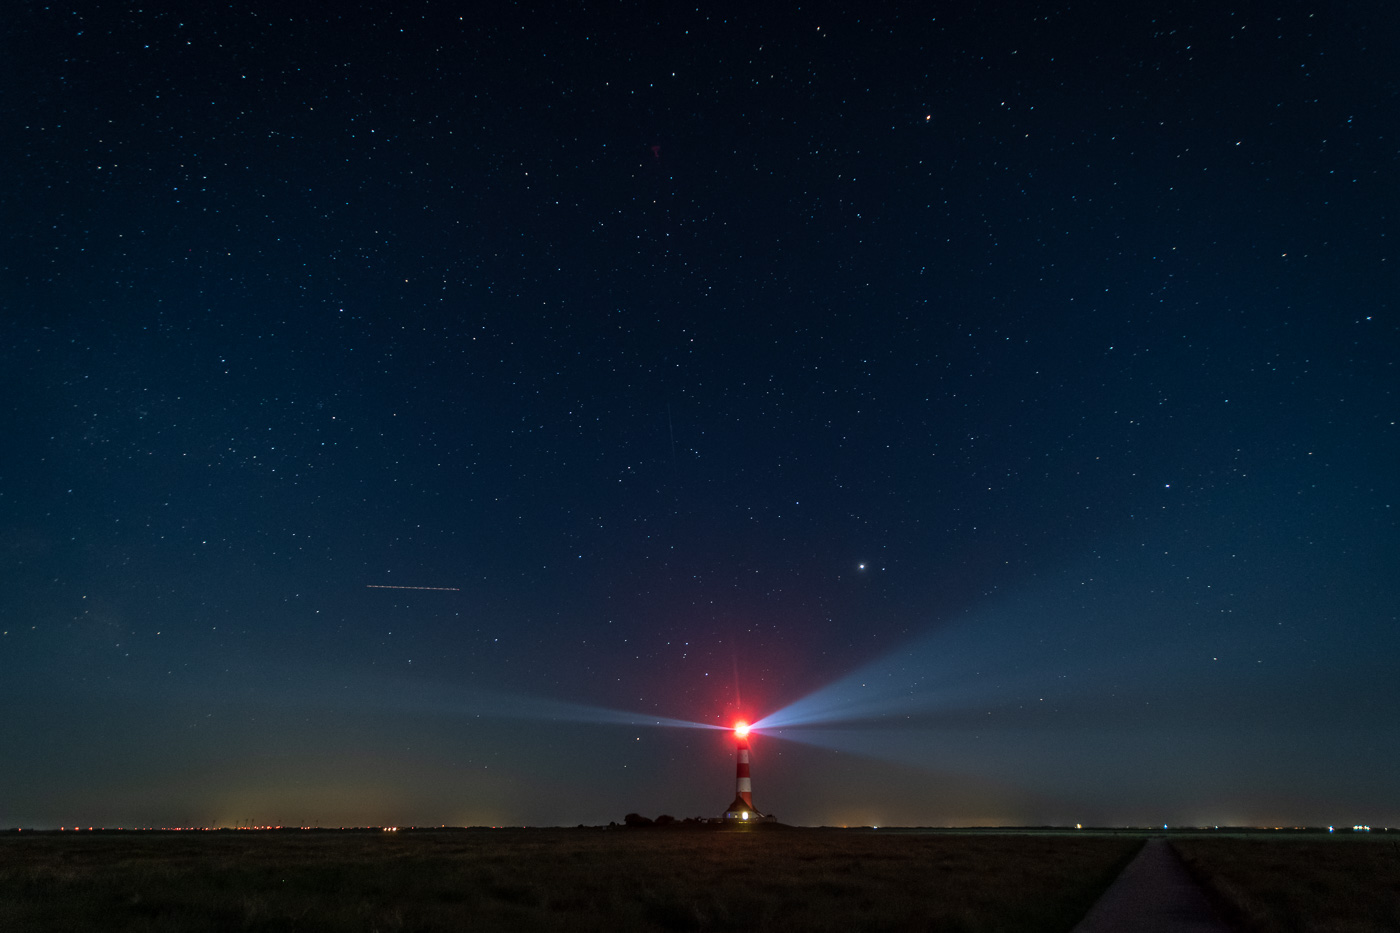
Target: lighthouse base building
(741, 811)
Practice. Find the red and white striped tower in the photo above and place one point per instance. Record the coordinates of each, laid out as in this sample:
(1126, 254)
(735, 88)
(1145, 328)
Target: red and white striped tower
(742, 807)
(743, 785)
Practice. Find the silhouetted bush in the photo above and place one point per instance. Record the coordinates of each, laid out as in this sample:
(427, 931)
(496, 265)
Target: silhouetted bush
(634, 819)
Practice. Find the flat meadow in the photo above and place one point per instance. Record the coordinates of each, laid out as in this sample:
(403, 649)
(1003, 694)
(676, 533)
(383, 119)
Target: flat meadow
(1300, 884)
(555, 879)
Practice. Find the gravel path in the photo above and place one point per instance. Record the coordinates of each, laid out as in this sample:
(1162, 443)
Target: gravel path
(1154, 894)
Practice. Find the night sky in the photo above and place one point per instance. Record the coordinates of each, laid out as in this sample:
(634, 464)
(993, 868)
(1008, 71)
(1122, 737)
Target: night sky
(996, 402)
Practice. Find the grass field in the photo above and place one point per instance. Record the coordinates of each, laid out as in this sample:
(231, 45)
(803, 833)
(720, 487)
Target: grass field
(1301, 885)
(554, 879)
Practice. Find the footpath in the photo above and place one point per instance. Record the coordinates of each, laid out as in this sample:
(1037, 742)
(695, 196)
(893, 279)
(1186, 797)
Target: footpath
(1154, 894)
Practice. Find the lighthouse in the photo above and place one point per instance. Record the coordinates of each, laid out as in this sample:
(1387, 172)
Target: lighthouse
(742, 808)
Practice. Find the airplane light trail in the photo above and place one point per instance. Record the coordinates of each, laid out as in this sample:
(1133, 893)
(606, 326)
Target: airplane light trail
(385, 586)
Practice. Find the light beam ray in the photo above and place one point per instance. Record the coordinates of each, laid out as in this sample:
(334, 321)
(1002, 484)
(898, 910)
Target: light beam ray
(444, 699)
(561, 711)
(1046, 647)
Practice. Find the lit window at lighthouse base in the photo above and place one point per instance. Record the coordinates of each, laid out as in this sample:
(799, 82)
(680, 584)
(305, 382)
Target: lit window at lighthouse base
(745, 814)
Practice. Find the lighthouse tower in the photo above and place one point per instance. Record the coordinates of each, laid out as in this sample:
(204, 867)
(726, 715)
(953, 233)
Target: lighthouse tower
(742, 808)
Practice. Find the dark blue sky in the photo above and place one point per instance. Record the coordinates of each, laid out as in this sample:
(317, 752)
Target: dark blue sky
(1001, 399)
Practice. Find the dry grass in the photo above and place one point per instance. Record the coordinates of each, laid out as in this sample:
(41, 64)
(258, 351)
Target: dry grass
(1301, 885)
(555, 879)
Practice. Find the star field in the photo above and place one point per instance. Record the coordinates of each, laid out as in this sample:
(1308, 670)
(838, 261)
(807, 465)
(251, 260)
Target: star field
(1006, 394)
